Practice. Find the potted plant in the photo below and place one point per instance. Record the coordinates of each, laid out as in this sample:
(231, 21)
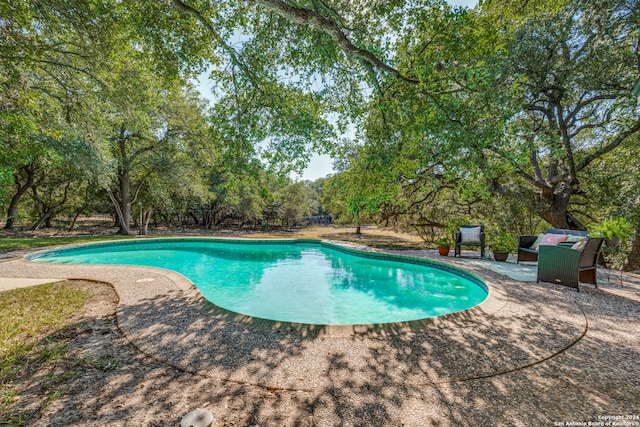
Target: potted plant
(614, 230)
(444, 245)
(502, 244)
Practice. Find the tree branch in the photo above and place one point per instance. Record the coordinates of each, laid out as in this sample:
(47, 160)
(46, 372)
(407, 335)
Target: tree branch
(533, 181)
(533, 158)
(315, 20)
(572, 115)
(583, 127)
(116, 203)
(608, 147)
(221, 42)
(548, 113)
(80, 70)
(135, 196)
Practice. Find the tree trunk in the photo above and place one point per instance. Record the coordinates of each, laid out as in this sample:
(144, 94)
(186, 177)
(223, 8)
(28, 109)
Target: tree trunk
(358, 231)
(45, 218)
(124, 203)
(21, 189)
(144, 226)
(13, 207)
(633, 261)
(552, 206)
(196, 222)
(48, 208)
(75, 219)
(81, 209)
(550, 203)
(206, 218)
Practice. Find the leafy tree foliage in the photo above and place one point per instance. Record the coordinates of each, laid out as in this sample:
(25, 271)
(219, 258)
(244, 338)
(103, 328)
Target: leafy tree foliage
(613, 182)
(571, 74)
(152, 120)
(50, 52)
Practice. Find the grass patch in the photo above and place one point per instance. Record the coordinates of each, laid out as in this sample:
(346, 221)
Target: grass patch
(29, 314)
(8, 244)
(28, 319)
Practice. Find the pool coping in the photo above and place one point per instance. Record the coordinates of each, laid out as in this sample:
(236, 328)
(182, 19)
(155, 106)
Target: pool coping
(496, 296)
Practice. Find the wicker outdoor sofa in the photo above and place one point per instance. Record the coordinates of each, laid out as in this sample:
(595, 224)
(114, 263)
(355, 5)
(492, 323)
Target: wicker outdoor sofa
(527, 253)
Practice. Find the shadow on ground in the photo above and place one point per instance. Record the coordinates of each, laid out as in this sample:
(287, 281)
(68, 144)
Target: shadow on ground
(464, 370)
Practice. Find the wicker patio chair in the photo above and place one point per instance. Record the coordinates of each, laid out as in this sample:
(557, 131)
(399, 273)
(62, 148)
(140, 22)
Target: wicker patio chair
(464, 238)
(567, 266)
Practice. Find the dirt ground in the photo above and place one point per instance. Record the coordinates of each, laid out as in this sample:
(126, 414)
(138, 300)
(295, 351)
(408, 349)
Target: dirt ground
(371, 235)
(103, 380)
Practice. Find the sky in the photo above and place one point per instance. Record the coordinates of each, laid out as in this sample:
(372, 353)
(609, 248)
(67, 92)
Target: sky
(463, 3)
(319, 165)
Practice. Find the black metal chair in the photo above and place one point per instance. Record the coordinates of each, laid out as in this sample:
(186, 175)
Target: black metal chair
(468, 236)
(567, 266)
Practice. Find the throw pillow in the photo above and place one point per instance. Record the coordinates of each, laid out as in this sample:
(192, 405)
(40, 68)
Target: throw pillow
(579, 246)
(536, 243)
(573, 238)
(552, 240)
(470, 235)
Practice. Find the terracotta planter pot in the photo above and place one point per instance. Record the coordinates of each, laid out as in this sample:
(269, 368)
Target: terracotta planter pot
(443, 250)
(500, 256)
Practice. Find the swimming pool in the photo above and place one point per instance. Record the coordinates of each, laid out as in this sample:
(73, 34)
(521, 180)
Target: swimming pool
(297, 281)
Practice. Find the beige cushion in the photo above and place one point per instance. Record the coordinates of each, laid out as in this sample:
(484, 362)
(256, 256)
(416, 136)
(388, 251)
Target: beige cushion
(470, 235)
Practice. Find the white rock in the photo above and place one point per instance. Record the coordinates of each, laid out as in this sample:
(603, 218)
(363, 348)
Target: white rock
(198, 418)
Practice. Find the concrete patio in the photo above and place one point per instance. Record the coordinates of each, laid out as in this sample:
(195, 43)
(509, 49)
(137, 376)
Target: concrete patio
(536, 354)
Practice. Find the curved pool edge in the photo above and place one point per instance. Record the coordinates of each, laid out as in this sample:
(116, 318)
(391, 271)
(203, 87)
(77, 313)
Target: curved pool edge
(37, 253)
(494, 302)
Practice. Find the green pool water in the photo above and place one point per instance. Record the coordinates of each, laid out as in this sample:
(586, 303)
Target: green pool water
(295, 282)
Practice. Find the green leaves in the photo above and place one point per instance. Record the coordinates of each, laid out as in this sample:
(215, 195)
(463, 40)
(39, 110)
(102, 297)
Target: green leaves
(611, 228)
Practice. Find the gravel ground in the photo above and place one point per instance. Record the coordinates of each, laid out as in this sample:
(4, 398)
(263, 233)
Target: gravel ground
(536, 354)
